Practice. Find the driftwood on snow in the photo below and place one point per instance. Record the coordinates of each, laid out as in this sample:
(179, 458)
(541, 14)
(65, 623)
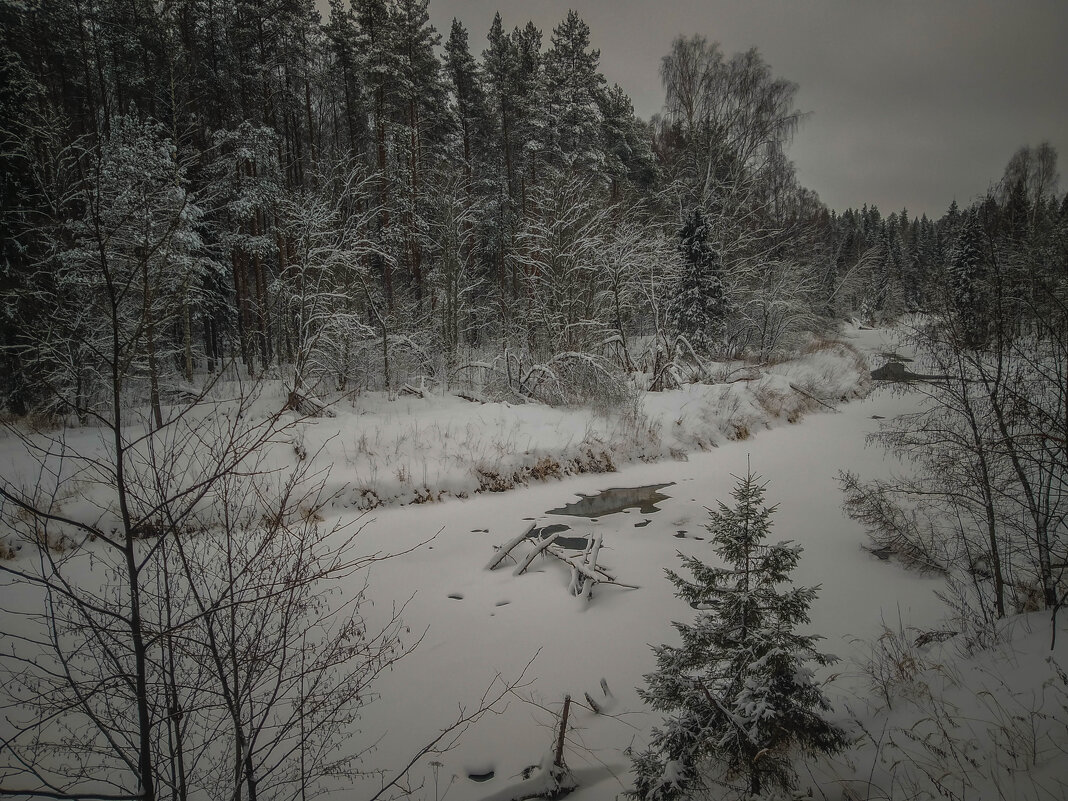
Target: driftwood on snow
(505, 550)
(584, 567)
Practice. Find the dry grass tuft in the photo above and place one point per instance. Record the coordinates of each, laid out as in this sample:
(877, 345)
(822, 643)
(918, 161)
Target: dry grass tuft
(545, 468)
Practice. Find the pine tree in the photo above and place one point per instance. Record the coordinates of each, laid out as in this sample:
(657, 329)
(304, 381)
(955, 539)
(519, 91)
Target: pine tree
(739, 692)
(575, 86)
(345, 48)
(530, 129)
(628, 157)
(500, 66)
(422, 132)
(472, 112)
(698, 307)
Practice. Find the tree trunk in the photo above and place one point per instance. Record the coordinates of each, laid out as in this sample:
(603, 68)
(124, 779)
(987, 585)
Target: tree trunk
(145, 761)
(187, 340)
(385, 354)
(311, 129)
(150, 346)
(988, 497)
(263, 325)
(383, 190)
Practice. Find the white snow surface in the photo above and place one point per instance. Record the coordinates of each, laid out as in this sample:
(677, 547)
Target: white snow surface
(479, 625)
(503, 621)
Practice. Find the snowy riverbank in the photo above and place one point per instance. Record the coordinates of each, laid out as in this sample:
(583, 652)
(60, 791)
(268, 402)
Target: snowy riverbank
(482, 623)
(477, 627)
(417, 449)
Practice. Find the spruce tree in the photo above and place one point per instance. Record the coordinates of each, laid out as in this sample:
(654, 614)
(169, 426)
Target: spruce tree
(889, 289)
(969, 304)
(698, 306)
(739, 693)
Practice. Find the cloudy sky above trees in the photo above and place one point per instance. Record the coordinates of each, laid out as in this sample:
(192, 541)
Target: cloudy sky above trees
(911, 103)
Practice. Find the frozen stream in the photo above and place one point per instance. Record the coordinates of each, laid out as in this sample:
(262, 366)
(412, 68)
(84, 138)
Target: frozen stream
(479, 623)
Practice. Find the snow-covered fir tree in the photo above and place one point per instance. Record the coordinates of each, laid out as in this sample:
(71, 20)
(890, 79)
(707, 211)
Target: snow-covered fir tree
(739, 694)
(889, 291)
(967, 278)
(698, 307)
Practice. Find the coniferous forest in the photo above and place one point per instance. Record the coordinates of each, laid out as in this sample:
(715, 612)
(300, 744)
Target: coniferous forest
(222, 220)
(360, 199)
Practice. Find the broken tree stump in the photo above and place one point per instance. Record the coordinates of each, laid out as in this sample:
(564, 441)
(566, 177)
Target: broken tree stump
(558, 759)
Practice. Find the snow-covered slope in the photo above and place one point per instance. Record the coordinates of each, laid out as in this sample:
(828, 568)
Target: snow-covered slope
(417, 449)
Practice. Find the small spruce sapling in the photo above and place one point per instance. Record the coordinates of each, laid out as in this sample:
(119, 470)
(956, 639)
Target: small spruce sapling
(739, 694)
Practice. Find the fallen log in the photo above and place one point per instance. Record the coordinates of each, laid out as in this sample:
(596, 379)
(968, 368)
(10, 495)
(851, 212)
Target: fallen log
(506, 549)
(540, 548)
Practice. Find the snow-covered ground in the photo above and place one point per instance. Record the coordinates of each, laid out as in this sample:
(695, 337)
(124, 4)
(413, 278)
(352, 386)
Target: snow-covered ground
(481, 623)
(406, 449)
(423, 467)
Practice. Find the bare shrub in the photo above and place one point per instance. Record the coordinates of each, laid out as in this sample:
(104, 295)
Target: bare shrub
(961, 728)
(893, 528)
(895, 663)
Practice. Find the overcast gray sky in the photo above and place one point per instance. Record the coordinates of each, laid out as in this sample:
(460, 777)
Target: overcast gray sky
(913, 103)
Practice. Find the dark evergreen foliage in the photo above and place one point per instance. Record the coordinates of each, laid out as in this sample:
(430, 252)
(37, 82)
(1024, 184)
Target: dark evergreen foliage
(698, 307)
(268, 108)
(740, 697)
(968, 283)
